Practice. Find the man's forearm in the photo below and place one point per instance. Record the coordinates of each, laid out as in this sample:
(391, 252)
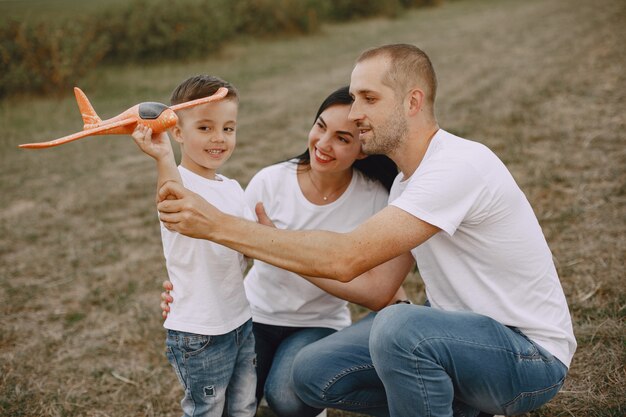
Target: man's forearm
(312, 253)
(340, 256)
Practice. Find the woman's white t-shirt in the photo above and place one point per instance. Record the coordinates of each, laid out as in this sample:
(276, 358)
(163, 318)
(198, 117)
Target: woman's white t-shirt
(491, 256)
(282, 298)
(207, 277)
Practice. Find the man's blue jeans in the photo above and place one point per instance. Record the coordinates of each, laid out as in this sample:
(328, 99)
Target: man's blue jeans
(419, 361)
(276, 348)
(217, 372)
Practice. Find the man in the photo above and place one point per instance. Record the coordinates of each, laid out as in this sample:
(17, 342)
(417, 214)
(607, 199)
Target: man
(498, 336)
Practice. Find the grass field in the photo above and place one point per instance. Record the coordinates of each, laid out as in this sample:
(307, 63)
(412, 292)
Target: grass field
(543, 83)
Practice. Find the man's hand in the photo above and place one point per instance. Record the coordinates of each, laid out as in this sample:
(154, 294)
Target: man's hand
(158, 147)
(185, 212)
(166, 298)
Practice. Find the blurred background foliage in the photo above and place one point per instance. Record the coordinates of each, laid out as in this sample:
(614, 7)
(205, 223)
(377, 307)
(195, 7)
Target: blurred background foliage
(47, 47)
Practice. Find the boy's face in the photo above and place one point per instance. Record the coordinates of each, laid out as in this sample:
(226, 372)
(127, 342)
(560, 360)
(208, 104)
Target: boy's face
(207, 134)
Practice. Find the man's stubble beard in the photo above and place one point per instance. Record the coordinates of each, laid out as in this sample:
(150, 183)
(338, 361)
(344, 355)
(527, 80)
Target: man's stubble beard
(389, 136)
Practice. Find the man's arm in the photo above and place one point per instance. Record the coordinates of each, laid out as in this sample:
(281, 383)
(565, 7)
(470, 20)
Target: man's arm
(340, 256)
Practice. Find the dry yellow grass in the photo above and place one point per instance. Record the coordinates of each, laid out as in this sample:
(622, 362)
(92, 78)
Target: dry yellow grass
(541, 82)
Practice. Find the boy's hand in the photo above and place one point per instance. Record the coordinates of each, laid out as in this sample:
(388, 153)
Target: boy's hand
(157, 147)
(166, 298)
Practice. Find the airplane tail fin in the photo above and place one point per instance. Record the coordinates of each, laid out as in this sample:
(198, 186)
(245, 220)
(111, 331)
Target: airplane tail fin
(89, 115)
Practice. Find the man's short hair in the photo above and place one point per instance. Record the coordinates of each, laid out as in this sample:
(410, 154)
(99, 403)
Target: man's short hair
(409, 67)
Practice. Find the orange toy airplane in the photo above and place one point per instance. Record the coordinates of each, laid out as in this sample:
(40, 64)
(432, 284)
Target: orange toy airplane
(157, 116)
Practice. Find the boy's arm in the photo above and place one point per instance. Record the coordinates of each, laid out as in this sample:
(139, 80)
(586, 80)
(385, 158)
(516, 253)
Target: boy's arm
(159, 148)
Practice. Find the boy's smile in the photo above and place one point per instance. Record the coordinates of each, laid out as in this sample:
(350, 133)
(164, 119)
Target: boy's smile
(207, 135)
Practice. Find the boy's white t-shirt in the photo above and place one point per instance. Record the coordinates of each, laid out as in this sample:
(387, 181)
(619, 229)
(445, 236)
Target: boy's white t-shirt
(209, 296)
(491, 256)
(282, 298)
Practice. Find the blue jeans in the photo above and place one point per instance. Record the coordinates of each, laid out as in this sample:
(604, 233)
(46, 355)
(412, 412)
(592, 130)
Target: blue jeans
(217, 372)
(276, 348)
(419, 361)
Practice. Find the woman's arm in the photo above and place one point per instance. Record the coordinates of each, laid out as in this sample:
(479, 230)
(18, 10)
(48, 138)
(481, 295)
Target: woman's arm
(374, 289)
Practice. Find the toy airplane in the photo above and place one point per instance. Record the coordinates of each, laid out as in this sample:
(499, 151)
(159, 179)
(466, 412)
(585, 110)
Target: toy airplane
(157, 116)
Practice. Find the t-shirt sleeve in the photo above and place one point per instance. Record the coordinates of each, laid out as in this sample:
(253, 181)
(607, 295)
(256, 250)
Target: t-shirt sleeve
(443, 193)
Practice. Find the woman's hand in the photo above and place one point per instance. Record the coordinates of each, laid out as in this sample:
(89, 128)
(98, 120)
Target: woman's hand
(166, 298)
(261, 215)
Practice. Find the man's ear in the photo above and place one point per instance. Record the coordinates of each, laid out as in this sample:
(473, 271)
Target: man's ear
(416, 101)
(361, 155)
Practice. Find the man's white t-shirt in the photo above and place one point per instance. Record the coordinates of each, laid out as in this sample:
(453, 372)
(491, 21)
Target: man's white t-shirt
(491, 256)
(282, 298)
(209, 296)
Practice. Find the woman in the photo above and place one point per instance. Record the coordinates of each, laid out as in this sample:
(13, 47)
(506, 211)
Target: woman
(331, 186)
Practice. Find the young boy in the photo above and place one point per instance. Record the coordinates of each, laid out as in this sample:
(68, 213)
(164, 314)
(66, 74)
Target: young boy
(209, 328)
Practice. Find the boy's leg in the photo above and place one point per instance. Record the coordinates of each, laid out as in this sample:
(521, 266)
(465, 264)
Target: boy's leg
(429, 358)
(279, 389)
(337, 372)
(241, 401)
(204, 365)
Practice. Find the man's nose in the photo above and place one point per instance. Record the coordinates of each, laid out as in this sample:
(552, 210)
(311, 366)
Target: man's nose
(355, 113)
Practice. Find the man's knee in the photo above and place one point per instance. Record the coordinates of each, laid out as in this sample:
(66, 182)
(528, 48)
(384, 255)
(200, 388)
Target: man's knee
(390, 326)
(306, 366)
(285, 402)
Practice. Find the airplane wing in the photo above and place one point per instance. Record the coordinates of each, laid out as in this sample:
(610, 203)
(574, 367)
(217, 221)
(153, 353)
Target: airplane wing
(79, 135)
(219, 94)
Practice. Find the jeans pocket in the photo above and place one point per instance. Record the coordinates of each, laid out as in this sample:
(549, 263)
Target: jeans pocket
(527, 349)
(528, 401)
(173, 360)
(192, 344)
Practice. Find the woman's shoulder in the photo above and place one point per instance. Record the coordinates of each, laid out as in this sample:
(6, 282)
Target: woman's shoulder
(278, 170)
(368, 185)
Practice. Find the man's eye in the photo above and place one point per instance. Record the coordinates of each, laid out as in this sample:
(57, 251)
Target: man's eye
(229, 129)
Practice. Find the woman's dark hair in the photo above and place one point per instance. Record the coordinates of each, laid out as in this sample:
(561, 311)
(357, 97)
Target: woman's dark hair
(375, 167)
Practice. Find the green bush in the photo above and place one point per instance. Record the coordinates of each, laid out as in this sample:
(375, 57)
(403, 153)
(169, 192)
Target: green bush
(48, 57)
(271, 17)
(51, 55)
(160, 29)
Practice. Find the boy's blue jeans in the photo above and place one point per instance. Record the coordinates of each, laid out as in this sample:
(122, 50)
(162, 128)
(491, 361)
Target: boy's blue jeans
(419, 361)
(217, 372)
(276, 349)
